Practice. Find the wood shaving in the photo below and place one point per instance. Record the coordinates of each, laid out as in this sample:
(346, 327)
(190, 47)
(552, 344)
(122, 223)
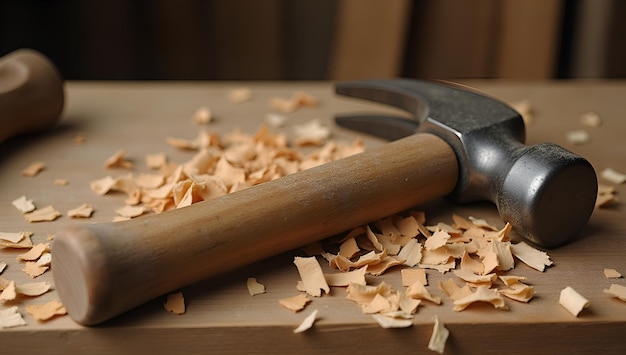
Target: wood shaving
(32, 269)
(482, 294)
(530, 256)
(411, 253)
(33, 289)
(130, 211)
(579, 136)
(24, 241)
(311, 275)
(83, 211)
(617, 291)
(202, 116)
(311, 133)
(60, 182)
(411, 276)
(156, 161)
(79, 138)
(117, 161)
(10, 318)
(45, 259)
(254, 287)
(12, 237)
(275, 119)
(606, 196)
(3, 266)
(33, 169)
(612, 274)
(46, 311)
(295, 303)
(419, 291)
(46, 214)
(240, 95)
(572, 301)
(519, 292)
(438, 337)
(591, 119)
(103, 185)
(509, 280)
(9, 293)
(298, 99)
(475, 279)
(346, 278)
(307, 323)
(175, 303)
(24, 204)
(613, 176)
(387, 321)
(35, 252)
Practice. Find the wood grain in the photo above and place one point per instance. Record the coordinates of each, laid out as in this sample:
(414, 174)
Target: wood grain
(221, 315)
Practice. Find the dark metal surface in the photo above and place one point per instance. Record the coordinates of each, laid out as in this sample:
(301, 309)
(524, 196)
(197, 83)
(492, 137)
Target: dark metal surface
(546, 192)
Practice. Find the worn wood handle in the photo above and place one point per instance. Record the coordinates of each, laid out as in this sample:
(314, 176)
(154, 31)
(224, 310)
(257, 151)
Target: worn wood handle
(31, 93)
(102, 270)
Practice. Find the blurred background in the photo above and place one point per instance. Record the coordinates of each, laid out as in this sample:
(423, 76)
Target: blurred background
(321, 39)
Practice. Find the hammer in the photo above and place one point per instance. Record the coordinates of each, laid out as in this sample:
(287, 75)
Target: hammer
(466, 146)
(31, 93)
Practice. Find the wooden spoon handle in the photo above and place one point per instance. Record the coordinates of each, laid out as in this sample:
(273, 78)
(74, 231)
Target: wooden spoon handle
(102, 270)
(31, 93)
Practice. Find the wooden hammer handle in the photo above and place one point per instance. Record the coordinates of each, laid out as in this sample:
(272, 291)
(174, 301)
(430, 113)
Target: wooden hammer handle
(31, 93)
(102, 270)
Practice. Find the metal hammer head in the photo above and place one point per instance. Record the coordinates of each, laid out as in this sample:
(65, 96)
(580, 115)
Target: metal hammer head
(546, 192)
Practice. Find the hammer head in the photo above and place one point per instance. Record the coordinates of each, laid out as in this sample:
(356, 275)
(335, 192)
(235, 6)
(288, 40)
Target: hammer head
(546, 192)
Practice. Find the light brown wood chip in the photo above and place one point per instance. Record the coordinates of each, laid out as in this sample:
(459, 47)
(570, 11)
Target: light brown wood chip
(311, 275)
(254, 287)
(118, 160)
(391, 320)
(24, 204)
(33, 289)
(617, 291)
(240, 95)
(482, 294)
(9, 293)
(346, 278)
(311, 133)
(35, 252)
(32, 269)
(11, 236)
(23, 242)
(3, 266)
(46, 311)
(295, 303)
(573, 301)
(175, 303)
(530, 256)
(419, 291)
(33, 169)
(612, 274)
(410, 276)
(83, 211)
(591, 119)
(202, 116)
(519, 292)
(46, 214)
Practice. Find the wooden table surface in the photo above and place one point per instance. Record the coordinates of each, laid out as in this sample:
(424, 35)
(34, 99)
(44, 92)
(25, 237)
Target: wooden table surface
(222, 317)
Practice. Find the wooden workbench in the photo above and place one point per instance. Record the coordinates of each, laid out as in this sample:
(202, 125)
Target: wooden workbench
(222, 317)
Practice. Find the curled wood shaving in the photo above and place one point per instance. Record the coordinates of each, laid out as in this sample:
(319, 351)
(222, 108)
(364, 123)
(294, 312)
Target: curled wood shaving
(11, 237)
(418, 290)
(591, 119)
(35, 252)
(519, 292)
(33, 169)
(3, 266)
(23, 240)
(24, 204)
(295, 303)
(175, 303)
(33, 269)
(572, 301)
(254, 287)
(311, 133)
(156, 161)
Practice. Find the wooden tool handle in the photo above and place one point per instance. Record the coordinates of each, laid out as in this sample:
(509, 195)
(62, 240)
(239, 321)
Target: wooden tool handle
(102, 270)
(31, 93)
